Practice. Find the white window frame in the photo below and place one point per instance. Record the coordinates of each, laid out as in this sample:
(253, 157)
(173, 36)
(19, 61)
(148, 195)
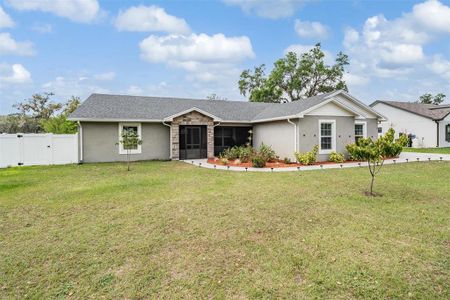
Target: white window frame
(139, 147)
(364, 123)
(333, 136)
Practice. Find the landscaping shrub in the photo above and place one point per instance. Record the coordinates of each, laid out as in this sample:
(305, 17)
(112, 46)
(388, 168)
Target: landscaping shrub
(287, 160)
(224, 161)
(243, 153)
(246, 153)
(258, 161)
(230, 153)
(336, 157)
(267, 153)
(308, 158)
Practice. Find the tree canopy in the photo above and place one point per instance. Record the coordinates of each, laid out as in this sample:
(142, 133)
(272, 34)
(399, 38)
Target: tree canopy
(430, 99)
(294, 77)
(40, 114)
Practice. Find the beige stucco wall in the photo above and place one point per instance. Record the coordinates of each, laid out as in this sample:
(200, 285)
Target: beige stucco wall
(279, 135)
(100, 142)
(345, 132)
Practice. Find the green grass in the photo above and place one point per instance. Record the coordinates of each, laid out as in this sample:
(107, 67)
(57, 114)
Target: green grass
(172, 230)
(428, 150)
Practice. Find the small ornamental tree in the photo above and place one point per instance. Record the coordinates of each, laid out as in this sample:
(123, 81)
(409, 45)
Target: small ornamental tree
(375, 152)
(130, 141)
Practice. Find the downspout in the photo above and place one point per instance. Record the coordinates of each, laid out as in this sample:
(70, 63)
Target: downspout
(170, 137)
(295, 134)
(437, 123)
(80, 137)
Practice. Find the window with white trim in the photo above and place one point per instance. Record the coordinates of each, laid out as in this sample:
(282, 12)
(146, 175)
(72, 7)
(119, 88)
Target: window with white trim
(360, 131)
(327, 136)
(133, 127)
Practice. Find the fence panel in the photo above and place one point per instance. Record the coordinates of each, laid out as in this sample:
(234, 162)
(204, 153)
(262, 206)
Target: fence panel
(65, 149)
(38, 149)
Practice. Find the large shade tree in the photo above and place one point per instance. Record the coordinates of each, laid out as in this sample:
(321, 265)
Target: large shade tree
(294, 77)
(430, 99)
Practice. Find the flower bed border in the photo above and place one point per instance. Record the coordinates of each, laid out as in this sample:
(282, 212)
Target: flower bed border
(269, 165)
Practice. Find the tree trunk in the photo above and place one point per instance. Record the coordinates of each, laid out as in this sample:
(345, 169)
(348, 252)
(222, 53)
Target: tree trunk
(371, 184)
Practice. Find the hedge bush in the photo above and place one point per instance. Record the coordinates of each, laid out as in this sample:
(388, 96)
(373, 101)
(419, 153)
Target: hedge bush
(307, 158)
(258, 161)
(336, 157)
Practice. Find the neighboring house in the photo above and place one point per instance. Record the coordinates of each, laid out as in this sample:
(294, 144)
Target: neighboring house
(428, 124)
(187, 129)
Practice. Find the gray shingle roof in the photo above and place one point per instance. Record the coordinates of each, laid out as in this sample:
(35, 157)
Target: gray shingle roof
(121, 107)
(435, 112)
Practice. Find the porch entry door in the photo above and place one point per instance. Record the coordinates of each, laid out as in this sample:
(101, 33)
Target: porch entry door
(192, 142)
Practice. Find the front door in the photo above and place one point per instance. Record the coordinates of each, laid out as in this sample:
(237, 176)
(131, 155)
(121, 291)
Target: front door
(193, 142)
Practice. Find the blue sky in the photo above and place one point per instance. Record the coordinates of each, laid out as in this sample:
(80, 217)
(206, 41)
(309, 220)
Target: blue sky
(398, 49)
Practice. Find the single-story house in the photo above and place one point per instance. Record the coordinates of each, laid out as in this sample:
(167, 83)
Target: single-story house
(173, 128)
(427, 124)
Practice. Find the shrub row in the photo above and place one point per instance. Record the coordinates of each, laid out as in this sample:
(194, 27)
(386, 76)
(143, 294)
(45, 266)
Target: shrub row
(259, 157)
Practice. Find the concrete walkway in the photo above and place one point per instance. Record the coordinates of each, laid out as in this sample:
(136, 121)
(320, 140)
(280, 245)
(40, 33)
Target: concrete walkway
(404, 158)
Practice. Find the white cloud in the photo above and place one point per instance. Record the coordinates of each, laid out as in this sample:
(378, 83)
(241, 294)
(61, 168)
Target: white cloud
(83, 11)
(353, 80)
(308, 29)
(204, 56)
(134, 90)
(391, 53)
(65, 87)
(194, 48)
(8, 46)
(105, 76)
(5, 20)
(15, 74)
(395, 47)
(268, 8)
(42, 28)
(432, 14)
(440, 66)
(150, 18)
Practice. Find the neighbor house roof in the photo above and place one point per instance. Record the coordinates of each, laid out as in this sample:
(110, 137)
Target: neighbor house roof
(431, 111)
(103, 107)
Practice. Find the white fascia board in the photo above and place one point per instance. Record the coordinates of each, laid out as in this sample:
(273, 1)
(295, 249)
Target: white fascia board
(170, 118)
(115, 120)
(277, 119)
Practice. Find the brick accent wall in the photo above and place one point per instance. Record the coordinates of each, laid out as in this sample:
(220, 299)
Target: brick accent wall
(192, 118)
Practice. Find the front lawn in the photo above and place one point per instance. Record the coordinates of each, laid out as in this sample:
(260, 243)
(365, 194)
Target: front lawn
(172, 230)
(428, 150)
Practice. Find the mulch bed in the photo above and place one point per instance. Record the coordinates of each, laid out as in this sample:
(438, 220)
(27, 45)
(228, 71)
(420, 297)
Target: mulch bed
(279, 164)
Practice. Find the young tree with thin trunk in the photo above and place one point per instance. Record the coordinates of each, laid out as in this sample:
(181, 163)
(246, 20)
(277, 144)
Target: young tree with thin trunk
(375, 152)
(130, 141)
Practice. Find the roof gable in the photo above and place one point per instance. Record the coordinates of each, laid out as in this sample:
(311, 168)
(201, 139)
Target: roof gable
(331, 107)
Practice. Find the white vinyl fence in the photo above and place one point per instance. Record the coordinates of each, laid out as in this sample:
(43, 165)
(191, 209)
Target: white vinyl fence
(38, 149)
